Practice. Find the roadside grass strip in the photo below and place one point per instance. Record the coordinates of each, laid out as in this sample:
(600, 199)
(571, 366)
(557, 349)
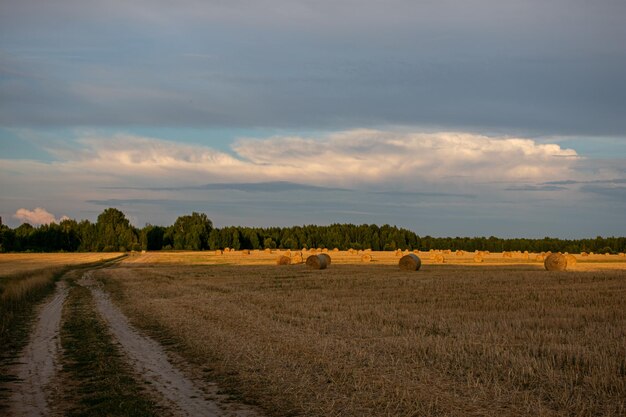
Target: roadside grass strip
(101, 383)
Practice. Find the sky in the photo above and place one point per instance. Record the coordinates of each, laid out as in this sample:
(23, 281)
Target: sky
(449, 118)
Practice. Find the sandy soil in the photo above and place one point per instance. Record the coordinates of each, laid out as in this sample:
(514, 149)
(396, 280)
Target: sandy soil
(150, 361)
(39, 361)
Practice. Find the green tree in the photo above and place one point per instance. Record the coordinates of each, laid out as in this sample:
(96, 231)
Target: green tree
(114, 231)
(191, 232)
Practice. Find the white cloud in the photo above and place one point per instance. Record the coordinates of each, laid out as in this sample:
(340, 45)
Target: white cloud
(374, 156)
(37, 216)
(348, 158)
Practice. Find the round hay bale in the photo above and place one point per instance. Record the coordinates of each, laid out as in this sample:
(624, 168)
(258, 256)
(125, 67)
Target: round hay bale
(555, 262)
(438, 258)
(478, 258)
(410, 262)
(283, 260)
(540, 258)
(226, 249)
(571, 261)
(296, 258)
(219, 252)
(399, 254)
(366, 257)
(267, 250)
(460, 253)
(327, 256)
(245, 252)
(584, 254)
(606, 254)
(316, 262)
(622, 254)
(335, 249)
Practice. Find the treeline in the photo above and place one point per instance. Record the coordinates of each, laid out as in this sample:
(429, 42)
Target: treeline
(113, 232)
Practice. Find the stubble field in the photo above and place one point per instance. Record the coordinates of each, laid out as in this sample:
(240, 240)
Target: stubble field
(503, 337)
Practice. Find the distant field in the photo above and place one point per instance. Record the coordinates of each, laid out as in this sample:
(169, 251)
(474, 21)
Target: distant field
(260, 257)
(17, 263)
(502, 337)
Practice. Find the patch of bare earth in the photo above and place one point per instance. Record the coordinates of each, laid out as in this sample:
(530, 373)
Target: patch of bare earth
(38, 364)
(185, 394)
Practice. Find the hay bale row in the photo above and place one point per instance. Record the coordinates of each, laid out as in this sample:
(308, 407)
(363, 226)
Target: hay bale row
(438, 258)
(571, 261)
(410, 262)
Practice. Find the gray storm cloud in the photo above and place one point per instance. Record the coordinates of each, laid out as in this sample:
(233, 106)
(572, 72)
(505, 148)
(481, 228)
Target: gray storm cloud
(522, 67)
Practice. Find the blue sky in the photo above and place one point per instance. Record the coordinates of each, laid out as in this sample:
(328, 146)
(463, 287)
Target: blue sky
(446, 117)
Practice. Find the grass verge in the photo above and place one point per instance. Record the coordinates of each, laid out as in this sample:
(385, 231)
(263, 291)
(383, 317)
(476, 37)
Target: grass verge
(101, 384)
(19, 296)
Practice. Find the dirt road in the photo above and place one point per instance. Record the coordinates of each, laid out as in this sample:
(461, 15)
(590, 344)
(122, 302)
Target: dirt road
(150, 361)
(39, 361)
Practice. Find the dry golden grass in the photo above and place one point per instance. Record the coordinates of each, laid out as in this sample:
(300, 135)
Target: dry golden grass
(25, 278)
(18, 263)
(492, 339)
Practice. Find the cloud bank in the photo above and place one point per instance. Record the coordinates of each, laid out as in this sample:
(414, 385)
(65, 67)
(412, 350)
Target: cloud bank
(356, 158)
(442, 183)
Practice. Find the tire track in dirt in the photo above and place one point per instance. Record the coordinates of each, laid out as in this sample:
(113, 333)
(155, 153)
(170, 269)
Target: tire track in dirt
(150, 361)
(39, 361)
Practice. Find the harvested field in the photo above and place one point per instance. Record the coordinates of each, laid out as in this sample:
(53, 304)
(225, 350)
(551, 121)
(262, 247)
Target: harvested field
(592, 262)
(504, 337)
(18, 263)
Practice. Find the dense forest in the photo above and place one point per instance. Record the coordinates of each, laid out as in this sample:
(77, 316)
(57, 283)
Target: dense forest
(113, 232)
